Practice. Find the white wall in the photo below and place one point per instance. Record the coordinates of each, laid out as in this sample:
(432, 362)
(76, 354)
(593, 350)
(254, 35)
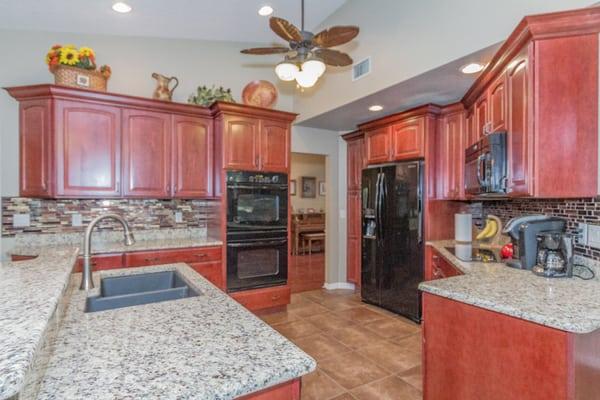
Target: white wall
(133, 60)
(408, 38)
(311, 165)
(319, 141)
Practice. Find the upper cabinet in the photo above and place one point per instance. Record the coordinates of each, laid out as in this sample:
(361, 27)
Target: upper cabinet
(251, 139)
(408, 139)
(450, 155)
(378, 143)
(356, 162)
(497, 105)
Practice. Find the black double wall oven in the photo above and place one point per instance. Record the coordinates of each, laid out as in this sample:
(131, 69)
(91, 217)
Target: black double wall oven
(257, 230)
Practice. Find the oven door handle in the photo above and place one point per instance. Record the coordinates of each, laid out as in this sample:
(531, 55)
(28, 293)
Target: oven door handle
(258, 244)
(480, 179)
(262, 187)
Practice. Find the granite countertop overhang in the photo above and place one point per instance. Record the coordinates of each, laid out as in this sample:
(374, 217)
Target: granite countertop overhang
(567, 304)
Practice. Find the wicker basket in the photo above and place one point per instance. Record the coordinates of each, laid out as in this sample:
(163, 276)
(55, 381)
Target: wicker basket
(80, 78)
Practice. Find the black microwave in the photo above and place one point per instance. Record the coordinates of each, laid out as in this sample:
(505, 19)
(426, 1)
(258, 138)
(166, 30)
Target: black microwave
(486, 166)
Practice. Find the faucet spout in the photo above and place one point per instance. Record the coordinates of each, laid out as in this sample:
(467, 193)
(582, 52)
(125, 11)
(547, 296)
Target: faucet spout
(87, 281)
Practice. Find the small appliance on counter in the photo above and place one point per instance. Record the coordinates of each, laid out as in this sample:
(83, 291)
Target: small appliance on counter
(554, 255)
(524, 232)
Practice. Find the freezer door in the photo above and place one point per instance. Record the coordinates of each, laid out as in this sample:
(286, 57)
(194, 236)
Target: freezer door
(371, 254)
(402, 266)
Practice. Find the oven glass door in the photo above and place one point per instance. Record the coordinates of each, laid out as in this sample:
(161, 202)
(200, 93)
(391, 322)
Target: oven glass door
(257, 207)
(256, 263)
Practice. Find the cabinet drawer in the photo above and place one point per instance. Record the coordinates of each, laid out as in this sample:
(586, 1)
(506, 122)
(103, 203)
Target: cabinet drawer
(441, 268)
(263, 298)
(102, 262)
(212, 271)
(200, 254)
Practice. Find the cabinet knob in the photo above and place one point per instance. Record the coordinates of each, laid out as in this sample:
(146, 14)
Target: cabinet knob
(167, 187)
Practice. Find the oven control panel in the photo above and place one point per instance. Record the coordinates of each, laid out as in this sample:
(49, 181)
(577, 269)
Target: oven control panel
(256, 178)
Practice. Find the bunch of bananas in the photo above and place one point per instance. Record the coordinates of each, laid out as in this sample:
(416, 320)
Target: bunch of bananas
(489, 231)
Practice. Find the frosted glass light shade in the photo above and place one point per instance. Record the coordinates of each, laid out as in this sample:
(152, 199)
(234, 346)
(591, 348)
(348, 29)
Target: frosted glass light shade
(314, 66)
(286, 71)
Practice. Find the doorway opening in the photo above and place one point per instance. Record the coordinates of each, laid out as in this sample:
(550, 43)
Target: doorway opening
(308, 192)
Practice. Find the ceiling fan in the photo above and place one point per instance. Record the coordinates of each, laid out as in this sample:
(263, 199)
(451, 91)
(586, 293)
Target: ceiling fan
(307, 54)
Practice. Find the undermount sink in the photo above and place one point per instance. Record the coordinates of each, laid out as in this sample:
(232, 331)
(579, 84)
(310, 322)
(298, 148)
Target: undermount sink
(134, 290)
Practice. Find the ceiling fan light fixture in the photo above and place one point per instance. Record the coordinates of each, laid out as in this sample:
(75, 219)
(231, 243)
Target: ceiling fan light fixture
(314, 66)
(287, 71)
(306, 79)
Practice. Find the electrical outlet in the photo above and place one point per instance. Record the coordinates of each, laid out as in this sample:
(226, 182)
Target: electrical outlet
(21, 220)
(76, 219)
(178, 217)
(593, 236)
(582, 234)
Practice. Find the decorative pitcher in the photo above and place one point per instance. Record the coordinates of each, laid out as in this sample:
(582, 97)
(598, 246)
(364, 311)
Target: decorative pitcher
(162, 91)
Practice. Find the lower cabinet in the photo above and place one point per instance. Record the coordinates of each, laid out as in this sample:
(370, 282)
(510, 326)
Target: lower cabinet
(259, 299)
(437, 267)
(285, 391)
(212, 271)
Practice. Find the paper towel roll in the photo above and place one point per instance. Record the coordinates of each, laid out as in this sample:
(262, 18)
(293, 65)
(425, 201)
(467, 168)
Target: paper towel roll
(463, 227)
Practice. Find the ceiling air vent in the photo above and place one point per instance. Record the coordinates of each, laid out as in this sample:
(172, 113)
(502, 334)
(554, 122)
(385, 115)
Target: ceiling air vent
(361, 68)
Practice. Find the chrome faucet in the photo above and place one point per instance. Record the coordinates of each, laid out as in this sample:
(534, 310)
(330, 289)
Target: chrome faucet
(87, 282)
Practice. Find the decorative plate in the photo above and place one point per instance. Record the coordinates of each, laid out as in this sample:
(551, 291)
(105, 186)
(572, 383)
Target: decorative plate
(260, 94)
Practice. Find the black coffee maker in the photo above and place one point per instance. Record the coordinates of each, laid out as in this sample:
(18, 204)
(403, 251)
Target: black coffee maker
(554, 255)
(524, 232)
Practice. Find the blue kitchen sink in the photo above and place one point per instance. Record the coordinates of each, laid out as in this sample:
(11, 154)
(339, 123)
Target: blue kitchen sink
(134, 290)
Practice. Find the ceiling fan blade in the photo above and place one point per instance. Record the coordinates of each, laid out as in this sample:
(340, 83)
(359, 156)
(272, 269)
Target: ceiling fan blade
(335, 36)
(333, 57)
(266, 50)
(285, 30)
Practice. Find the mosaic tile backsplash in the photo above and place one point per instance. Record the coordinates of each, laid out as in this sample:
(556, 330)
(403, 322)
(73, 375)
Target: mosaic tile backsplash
(55, 216)
(573, 210)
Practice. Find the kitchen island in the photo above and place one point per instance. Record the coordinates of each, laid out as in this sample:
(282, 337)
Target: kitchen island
(203, 347)
(495, 332)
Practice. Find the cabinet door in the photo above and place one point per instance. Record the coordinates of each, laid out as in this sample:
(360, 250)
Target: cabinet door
(146, 154)
(354, 238)
(481, 117)
(275, 146)
(35, 135)
(378, 145)
(212, 271)
(519, 158)
(355, 163)
(88, 150)
(469, 128)
(451, 157)
(497, 104)
(241, 143)
(192, 157)
(408, 139)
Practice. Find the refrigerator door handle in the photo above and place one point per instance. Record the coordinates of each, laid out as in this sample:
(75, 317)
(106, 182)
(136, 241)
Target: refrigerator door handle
(382, 205)
(420, 206)
(377, 194)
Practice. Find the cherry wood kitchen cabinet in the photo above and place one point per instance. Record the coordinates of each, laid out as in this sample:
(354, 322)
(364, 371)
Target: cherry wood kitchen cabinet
(481, 122)
(450, 158)
(355, 164)
(437, 267)
(77, 143)
(497, 105)
(251, 138)
(378, 145)
(192, 158)
(285, 391)
(530, 361)
(408, 139)
(146, 154)
(260, 299)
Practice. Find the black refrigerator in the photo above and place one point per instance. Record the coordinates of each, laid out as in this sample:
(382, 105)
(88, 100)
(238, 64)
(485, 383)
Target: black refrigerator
(392, 237)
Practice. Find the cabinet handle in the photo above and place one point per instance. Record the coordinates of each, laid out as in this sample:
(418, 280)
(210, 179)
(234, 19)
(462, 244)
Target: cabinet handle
(149, 259)
(275, 297)
(175, 189)
(201, 255)
(167, 187)
(437, 273)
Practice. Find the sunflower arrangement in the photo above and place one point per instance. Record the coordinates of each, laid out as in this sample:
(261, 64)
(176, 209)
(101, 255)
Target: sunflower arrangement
(71, 56)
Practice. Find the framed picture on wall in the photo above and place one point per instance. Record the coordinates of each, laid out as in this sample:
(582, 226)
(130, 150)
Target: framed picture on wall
(322, 188)
(292, 187)
(309, 187)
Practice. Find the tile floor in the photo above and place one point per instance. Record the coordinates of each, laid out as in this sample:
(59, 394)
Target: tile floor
(363, 352)
(306, 272)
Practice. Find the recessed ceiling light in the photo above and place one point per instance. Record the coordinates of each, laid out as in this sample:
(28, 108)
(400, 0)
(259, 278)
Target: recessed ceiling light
(472, 68)
(376, 107)
(121, 7)
(265, 11)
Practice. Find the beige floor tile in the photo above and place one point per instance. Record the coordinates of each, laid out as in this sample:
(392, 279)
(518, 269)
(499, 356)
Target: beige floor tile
(319, 386)
(296, 329)
(359, 315)
(354, 336)
(320, 346)
(308, 310)
(413, 342)
(392, 328)
(341, 303)
(390, 388)
(413, 377)
(328, 321)
(345, 396)
(351, 370)
(392, 357)
(323, 294)
(279, 317)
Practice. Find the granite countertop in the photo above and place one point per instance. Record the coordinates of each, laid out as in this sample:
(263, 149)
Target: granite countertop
(30, 294)
(204, 347)
(119, 246)
(568, 304)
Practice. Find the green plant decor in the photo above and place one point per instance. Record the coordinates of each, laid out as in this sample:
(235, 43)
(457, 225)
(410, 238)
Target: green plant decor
(205, 96)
